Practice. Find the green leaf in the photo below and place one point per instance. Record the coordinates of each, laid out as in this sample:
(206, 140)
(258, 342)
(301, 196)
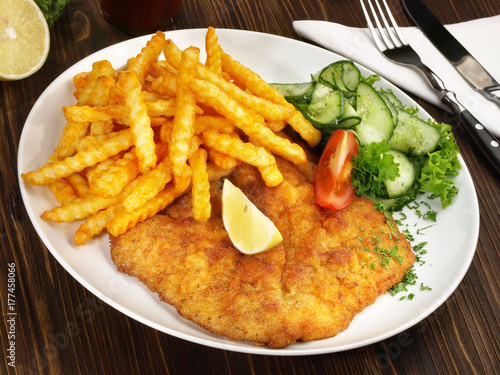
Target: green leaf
(51, 9)
(371, 167)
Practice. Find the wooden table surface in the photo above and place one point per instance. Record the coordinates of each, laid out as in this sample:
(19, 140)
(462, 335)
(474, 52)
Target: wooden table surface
(61, 328)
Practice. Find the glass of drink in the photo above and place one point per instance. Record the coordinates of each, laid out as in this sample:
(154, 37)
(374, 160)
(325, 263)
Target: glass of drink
(139, 17)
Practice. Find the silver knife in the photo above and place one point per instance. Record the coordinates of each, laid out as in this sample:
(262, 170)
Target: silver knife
(455, 53)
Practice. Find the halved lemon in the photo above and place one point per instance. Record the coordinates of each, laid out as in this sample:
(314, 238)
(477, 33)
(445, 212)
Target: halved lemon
(250, 231)
(24, 39)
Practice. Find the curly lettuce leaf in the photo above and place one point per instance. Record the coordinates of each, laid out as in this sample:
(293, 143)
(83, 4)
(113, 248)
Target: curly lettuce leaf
(439, 165)
(371, 167)
(51, 9)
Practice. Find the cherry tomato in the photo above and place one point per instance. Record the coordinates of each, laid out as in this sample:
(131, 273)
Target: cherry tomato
(332, 181)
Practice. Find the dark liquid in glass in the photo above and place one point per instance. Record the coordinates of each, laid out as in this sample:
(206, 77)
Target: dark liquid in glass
(140, 17)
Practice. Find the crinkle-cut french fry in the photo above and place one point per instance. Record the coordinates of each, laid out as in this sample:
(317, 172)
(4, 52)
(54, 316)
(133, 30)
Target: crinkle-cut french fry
(222, 160)
(79, 208)
(185, 113)
(280, 146)
(250, 123)
(89, 205)
(92, 141)
(124, 220)
(150, 184)
(92, 173)
(269, 110)
(101, 127)
(210, 95)
(161, 107)
(85, 113)
(63, 192)
(96, 92)
(159, 121)
(276, 126)
(148, 55)
(201, 186)
(258, 86)
(111, 181)
(140, 124)
(165, 85)
(213, 50)
(53, 171)
(99, 68)
(215, 172)
(166, 131)
(247, 153)
(95, 224)
(79, 184)
(72, 133)
(219, 123)
(157, 70)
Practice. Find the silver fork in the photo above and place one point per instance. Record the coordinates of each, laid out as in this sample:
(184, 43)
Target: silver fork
(390, 42)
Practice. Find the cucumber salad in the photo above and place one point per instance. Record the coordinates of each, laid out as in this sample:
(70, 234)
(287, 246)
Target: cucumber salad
(397, 156)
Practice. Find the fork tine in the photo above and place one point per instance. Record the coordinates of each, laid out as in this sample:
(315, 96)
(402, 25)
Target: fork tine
(395, 27)
(375, 35)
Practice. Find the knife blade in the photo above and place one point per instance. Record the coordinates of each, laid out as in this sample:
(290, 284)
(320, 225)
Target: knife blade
(473, 72)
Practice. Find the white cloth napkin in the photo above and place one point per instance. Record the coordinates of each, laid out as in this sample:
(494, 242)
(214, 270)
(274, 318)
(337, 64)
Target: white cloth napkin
(480, 37)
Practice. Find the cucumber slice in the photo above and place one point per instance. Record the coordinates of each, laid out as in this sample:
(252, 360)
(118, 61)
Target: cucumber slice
(326, 76)
(351, 75)
(298, 92)
(394, 110)
(376, 123)
(341, 75)
(326, 107)
(407, 175)
(414, 136)
(389, 95)
(350, 118)
(395, 204)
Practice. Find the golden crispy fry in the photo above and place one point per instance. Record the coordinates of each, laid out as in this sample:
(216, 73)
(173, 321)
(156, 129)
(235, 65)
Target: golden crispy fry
(53, 171)
(219, 123)
(247, 153)
(124, 220)
(251, 124)
(183, 129)
(165, 85)
(83, 114)
(63, 191)
(114, 178)
(95, 224)
(259, 87)
(78, 209)
(140, 124)
(201, 185)
(101, 127)
(279, 146)
(222, 160)
(96, 93)
(213, 50)
(269, 110)
(149, 185)
(166, 131)
(276, 126)
(148, 55)
(73, 132)
(78, 184)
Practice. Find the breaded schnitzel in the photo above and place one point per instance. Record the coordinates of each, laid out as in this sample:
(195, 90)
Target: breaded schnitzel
(330, 265)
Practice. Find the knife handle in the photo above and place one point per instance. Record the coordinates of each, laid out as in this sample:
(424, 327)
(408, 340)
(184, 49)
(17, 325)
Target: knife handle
(483, 138)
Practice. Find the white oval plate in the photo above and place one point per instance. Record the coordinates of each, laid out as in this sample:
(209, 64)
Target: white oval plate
(451, 241)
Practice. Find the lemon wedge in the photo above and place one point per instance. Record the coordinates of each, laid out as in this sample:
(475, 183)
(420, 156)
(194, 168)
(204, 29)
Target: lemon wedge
(24, 39)
(250, 231)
